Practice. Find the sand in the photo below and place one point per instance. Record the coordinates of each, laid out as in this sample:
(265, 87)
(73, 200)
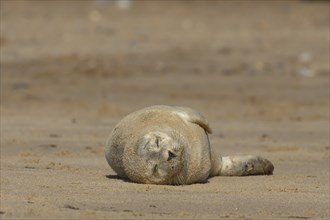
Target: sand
(70, 70)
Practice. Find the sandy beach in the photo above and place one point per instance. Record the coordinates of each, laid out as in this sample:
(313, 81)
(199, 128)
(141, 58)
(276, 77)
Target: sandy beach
(70, 70)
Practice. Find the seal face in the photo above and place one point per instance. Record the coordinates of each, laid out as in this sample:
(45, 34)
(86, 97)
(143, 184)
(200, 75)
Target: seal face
(159, 159)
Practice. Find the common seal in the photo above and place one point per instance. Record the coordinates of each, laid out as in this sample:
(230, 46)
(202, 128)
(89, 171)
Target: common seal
(170, 145)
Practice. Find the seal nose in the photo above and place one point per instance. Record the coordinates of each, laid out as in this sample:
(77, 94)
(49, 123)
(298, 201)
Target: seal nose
(171, 155)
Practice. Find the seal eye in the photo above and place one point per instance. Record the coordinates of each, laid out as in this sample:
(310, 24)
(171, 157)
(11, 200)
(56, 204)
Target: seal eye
(155, 168)
(170, 156)
(157, 141)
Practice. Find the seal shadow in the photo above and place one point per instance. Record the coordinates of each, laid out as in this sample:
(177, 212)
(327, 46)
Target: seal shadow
(116, 177)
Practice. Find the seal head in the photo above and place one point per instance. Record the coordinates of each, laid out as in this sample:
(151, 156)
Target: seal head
(158, 158)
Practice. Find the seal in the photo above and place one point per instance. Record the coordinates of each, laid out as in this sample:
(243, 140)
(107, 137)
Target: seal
(169, 145)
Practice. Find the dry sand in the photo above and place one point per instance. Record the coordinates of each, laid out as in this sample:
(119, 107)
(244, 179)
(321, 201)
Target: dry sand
(70, 70)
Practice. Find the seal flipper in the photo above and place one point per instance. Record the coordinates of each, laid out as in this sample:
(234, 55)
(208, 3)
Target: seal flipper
(193, 116)
(245, 165)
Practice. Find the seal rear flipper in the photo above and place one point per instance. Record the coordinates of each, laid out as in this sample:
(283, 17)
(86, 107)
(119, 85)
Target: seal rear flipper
(245, 165)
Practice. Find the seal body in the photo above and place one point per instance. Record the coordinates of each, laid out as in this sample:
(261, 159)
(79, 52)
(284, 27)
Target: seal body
(169, 145)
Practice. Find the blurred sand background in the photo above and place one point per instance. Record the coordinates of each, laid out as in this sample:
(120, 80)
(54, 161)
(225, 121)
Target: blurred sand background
(70, 70)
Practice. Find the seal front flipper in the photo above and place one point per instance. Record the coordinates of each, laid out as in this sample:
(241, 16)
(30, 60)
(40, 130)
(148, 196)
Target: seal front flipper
(193, 116)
